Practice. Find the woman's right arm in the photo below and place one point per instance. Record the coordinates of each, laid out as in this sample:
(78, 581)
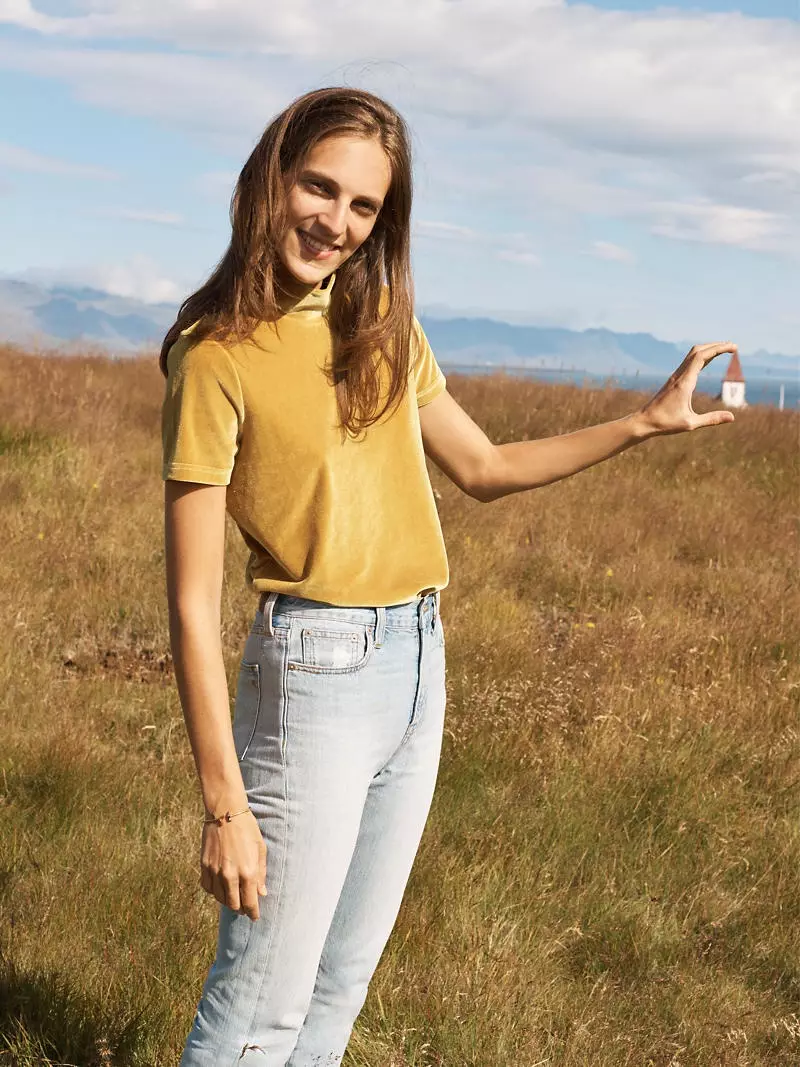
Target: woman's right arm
(233, 855)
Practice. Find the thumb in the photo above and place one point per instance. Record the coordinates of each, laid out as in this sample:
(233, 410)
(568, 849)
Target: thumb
(714, 418)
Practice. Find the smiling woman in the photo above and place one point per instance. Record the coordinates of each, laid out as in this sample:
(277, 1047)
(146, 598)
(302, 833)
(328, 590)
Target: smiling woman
(295, 377)
(302, 396)
(327, 188)
(332, 204)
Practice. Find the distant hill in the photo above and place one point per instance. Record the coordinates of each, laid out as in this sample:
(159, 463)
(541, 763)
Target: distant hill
(63, 317)
(480, 341)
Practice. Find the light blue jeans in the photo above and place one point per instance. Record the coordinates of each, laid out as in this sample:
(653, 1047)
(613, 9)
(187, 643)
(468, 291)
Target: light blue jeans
(338, 729)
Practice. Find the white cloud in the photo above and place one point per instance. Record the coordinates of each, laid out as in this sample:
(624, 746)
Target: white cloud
(529, 259)
(198, 93)
(512, 247)
(445, 231)
(699, 82)
(724, 224)
(781, 180)
(21, 13)
(14, 157)
(624, 80)
(249, 24)
(614, 253)
(161, 218)
(139, 278)
(688, 120)
(759, 216)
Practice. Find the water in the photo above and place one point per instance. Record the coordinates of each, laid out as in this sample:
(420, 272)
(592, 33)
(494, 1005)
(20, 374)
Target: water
(765, 390)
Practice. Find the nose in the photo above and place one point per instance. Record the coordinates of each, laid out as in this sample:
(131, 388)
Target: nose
(334, 218)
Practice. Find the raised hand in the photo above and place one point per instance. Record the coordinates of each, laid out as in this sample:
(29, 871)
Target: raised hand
(670, 409)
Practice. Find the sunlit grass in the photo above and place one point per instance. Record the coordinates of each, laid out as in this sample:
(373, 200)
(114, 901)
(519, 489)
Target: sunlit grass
(609, 875)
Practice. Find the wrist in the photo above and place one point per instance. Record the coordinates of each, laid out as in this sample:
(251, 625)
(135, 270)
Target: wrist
(225, 816)
(640, 427)
(217, 800)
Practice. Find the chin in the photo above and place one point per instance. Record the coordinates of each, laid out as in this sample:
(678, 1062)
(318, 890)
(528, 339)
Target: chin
(305, 272)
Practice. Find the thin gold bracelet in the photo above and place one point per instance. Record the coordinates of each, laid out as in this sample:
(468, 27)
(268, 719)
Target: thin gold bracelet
(220, 819)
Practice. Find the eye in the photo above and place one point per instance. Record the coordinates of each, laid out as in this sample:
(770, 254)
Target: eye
(320, 186)
(365, 208)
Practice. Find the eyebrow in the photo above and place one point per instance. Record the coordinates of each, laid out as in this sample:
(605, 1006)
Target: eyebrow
(320, 176)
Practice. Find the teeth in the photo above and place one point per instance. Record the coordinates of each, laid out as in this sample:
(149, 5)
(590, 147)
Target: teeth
(318, 245)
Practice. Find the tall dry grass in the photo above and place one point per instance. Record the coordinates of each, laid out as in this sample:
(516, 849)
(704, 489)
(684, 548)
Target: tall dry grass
(609, 875)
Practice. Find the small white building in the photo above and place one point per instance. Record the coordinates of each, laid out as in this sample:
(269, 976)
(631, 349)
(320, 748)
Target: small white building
(733, 385)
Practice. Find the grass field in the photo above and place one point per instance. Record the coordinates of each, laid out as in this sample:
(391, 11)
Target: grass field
(610, 874)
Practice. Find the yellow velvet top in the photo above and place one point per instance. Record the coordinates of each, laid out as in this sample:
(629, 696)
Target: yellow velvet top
(347, 520)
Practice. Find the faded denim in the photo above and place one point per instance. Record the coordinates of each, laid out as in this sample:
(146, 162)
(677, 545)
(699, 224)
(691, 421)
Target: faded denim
(338, 729)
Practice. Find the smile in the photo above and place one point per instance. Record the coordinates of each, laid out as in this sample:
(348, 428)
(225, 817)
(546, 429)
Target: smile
(316, 246)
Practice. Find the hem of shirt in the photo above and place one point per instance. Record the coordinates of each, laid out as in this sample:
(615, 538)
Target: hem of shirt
(433, 390)
(345, 602)
(187, 472)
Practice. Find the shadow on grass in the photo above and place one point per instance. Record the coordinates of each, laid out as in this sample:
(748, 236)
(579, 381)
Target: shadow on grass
(45, 1019)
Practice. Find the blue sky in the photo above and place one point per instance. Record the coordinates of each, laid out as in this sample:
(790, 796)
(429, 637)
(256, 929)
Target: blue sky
(620, 163)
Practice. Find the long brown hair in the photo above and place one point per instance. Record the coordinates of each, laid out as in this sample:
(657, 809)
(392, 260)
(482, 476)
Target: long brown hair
(242, 292)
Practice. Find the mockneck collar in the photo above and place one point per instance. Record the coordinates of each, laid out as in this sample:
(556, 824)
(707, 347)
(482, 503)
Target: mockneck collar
(314, 300)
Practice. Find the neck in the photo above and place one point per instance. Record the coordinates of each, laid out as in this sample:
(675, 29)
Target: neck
(291, 289)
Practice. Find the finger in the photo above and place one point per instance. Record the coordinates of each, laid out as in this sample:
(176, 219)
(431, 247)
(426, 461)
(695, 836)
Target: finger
(714, 418)
(226, 891)
(218, 888)
(249, 898)
(705, 353)
(207, 880)
(231, 883)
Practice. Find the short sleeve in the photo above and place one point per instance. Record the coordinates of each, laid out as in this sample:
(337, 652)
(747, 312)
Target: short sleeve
(202, 413)
(430, 381)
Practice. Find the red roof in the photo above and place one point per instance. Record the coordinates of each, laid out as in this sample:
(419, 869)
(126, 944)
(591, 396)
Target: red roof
(734, 370)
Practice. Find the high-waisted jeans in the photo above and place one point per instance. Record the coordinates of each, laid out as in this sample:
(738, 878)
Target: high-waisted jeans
(338, 728)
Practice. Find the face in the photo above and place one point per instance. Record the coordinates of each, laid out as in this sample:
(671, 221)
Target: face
(332, 205)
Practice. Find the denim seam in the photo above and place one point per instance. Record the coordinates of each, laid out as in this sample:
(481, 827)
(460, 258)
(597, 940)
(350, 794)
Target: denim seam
(223, 1030)
(257, 668)
(284, 765)
(420, 690)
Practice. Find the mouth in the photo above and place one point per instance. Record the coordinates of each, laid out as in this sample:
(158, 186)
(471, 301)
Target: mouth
(318, 249)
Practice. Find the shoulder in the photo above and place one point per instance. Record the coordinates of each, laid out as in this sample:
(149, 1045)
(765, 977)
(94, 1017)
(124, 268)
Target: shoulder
(420, 346)
(190, 355)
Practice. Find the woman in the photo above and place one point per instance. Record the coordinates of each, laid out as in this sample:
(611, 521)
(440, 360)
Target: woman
(303, 397)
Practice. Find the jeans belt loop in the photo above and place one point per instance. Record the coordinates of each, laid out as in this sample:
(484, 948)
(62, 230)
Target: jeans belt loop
(380, 626)
(267, 609)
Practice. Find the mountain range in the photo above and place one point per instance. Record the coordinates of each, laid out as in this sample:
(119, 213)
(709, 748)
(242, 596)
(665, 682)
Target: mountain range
(72, 319)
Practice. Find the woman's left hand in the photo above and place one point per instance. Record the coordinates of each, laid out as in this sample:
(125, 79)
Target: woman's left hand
(670, 410)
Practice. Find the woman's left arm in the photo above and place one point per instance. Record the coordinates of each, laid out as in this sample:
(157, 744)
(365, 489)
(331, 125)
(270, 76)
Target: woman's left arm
(485, 471)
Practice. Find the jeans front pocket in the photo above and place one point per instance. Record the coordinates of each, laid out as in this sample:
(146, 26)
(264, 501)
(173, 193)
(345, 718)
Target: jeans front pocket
(247, 707)
(329, 647)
